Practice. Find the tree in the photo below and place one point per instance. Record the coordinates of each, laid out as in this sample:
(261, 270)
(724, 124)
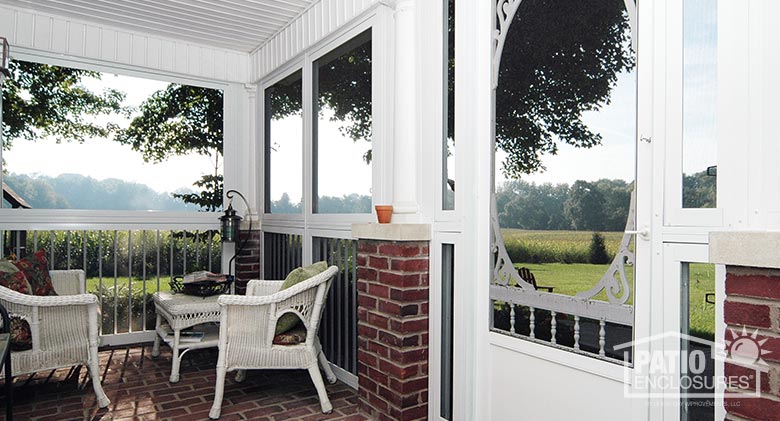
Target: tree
(560, 59)
(699, 190)
(180, 120)
(585, 207)
(41, 100)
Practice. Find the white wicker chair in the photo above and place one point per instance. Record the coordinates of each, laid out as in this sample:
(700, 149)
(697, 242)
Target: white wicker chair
(247, 330)
(64, 328)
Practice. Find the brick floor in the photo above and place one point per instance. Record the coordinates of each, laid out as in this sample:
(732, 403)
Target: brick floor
(139, 389)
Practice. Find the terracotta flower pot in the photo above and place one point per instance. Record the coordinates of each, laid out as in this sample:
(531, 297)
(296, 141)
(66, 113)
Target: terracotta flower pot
(383, 213)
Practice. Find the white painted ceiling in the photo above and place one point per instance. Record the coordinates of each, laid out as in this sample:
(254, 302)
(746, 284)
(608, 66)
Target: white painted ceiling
(234, 24)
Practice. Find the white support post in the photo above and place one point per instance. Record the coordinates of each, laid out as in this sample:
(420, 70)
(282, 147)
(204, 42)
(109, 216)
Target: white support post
(405, 144)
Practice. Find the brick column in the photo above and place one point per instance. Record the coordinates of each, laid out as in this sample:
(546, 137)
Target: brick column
(753, 303)
(247, 264)
(393, 329)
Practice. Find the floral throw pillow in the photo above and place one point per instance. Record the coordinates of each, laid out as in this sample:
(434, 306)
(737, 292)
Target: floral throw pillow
(21, 336)
(12, 278)
(36, 270)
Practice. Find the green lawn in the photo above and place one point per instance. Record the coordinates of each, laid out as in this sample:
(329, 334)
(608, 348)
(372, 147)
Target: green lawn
(568, 279)
(138, 284)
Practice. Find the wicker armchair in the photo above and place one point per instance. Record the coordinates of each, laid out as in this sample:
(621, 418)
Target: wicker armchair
(247, 331)
(64, 328)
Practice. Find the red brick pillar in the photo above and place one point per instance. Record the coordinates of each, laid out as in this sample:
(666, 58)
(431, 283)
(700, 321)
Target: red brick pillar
(393, 329)
(753, 303)
(247, 263)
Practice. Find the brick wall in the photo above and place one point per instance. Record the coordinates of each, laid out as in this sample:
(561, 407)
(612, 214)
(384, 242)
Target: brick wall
(247, 264)
(393, 329)
(753, 302)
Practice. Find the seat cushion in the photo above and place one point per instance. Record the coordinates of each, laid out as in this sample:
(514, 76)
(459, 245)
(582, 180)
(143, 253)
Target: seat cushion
(36, 269)
(12, 278)
(294, 336)
(288, 320)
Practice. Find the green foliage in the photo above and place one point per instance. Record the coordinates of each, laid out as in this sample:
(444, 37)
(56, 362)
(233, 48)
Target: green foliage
(123, 308)
(41, 100)
(100, 252)
(180, 120)
(560, 60)
(699, 190)
(597, 253)
(601, 205)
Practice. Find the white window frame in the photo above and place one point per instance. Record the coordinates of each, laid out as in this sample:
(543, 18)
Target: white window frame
(280, 74)
(674, 213)
(379, 21)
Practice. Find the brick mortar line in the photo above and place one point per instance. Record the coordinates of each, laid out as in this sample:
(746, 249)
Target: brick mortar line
(748, 329)
(746, 299)
(752, 271)
(379, 329)
(406, 318)
(768, 396)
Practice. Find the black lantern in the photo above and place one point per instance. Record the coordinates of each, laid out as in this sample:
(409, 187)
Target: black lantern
(230, 224)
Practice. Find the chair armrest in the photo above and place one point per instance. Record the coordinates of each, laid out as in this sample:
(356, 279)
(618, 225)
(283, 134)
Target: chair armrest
(68, 282)
(48, 301)
(263, 287)
(280, 295)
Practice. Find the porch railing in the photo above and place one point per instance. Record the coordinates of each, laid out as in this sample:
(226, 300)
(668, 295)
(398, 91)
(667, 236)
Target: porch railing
(338, 329)
(124, 268)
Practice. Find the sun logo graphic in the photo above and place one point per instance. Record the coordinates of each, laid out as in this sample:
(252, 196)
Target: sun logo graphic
(745, 349)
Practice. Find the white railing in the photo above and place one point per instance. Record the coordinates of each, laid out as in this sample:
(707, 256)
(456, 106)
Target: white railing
(580, 323)
(338, 329)
(124, 268)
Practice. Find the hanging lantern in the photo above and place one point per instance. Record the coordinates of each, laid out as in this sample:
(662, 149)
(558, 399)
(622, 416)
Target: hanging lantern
(230, 225)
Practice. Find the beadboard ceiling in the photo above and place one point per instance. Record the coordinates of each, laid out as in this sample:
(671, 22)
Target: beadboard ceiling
(241, 25)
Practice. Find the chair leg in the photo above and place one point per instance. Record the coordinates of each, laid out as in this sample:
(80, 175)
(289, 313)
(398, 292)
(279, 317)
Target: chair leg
(326, 367)
(324, 362)
(94, 374)
(240, 376)
(219, 391)
(316, 377)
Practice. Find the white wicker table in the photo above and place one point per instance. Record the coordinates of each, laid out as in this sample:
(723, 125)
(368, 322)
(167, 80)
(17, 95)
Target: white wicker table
(180, 311)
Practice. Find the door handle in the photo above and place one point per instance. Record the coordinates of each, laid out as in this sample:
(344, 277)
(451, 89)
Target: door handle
(644, 233)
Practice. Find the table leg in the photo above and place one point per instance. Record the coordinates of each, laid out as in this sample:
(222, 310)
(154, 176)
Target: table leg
(176, 357)
(156, 346)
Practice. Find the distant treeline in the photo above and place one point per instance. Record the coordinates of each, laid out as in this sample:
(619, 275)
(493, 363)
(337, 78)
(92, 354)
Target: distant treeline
(75, 191)
(585, 206)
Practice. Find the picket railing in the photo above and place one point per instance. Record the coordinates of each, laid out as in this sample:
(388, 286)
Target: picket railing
(338, 329)
(124, 268)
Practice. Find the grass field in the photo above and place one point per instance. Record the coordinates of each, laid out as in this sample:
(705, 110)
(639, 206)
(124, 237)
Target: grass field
(555, 246)
(138, 285)
(570, 278)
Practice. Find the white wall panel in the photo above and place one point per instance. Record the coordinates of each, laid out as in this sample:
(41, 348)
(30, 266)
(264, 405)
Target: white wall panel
(76, 38)
(124, 47)
(310, 27)
(523, 387)
(41, 33)
(59, 43)
(92, 42)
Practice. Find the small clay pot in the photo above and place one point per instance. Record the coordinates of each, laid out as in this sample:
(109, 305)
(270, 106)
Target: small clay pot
(383, 213)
